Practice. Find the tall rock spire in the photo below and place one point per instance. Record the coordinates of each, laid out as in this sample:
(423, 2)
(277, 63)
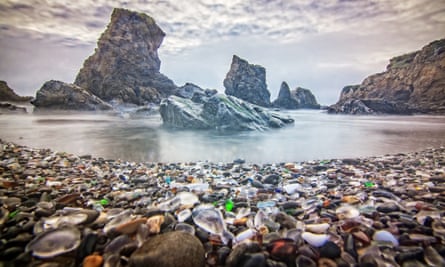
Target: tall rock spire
(125, 65)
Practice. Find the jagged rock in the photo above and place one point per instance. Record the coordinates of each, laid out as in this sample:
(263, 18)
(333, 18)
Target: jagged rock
(305, 98)
(219, 112)
(247, 82)
(7, 94)
(125, 65)
(194, 92)
(64, 96)
(295, 99)
(412, 83)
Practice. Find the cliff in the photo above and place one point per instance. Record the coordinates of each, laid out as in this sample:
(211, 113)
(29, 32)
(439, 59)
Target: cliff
(412, 83)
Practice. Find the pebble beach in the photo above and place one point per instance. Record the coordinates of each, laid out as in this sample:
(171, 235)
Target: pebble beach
(59, 209)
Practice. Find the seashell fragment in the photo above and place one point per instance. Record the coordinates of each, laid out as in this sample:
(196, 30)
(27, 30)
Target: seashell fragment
(54, 242)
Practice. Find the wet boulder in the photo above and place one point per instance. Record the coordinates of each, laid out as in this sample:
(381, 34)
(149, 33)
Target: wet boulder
(219, 112)
(64, 96)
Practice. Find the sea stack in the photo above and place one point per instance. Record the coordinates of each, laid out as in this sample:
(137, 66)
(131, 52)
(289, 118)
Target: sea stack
(299, 98)
(125, 66)
(247, 82)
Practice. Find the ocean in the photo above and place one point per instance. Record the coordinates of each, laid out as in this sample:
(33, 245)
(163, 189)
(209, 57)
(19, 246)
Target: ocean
(315, 135)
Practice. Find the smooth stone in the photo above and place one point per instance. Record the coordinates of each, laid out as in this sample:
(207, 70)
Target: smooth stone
(385, 236)
(317, 228)
(172, 249)
(54, 242)
(255, 260)
(330, 250)
(272, 179)
(387, 207)
(433, 258)
(316, 240)
(303, 261)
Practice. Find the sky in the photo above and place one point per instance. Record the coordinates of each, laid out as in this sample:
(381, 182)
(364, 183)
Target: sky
(322, 45)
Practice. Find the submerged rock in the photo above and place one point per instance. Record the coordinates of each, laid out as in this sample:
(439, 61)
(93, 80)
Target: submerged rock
(219, 112)
(247, 82)
(125, 65)
(64, 96)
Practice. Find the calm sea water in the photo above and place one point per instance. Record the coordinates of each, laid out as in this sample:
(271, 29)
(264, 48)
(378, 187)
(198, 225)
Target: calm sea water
(315, 135)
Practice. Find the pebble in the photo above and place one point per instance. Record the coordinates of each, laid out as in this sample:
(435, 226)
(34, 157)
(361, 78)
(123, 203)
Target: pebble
(57, 209)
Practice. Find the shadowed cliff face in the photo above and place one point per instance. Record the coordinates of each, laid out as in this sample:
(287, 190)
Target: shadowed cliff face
(125, 65)
(412, 83)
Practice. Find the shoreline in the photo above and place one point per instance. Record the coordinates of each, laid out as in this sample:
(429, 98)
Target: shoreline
(337, 211)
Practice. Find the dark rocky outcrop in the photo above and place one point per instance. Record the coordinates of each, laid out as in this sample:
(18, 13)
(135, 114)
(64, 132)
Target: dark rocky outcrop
(125, 65)
(195, 93)
(8, 95)
(247, 82)
(412, 83)
(63, 96)
(295, 99)
(219, 112)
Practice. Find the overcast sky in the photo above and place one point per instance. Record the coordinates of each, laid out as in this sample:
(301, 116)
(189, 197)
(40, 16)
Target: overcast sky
(322, 45)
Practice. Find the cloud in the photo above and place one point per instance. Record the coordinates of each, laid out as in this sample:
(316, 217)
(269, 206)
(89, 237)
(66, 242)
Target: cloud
(321, 45)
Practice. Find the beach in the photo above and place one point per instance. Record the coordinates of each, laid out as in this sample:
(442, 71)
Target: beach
(60, 209)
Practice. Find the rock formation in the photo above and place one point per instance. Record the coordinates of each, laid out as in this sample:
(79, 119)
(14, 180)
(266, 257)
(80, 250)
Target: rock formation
(247, 82)
(7, 94)
(125, 65)
(295, 99)
(219, 112)
(63, 96)
(412, 83)
(194, 92)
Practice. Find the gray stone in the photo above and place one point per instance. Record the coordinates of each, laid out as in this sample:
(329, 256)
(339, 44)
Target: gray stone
(125, 65)
(194, 92)
(295, 99)
(219, 112)
(63, 96)
(247, 82)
